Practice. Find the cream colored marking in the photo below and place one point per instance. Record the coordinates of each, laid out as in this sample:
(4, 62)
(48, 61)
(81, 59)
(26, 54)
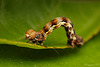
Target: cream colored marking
(61, 23)
(26, 35)
(69, 25)
(36, 39)
(74, 38)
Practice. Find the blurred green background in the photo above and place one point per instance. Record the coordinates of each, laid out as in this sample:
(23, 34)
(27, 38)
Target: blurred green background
(17, 16)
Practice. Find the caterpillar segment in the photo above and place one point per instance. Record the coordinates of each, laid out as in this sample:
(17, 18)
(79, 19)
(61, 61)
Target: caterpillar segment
(41, 35)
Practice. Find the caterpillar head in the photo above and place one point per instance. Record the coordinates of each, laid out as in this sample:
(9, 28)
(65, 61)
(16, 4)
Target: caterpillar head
(30, 34)
(79, 41)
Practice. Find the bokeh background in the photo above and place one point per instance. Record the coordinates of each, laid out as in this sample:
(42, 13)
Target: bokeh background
(17, 16)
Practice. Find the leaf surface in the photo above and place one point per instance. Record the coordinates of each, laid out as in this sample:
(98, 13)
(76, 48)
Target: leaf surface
(16, 17)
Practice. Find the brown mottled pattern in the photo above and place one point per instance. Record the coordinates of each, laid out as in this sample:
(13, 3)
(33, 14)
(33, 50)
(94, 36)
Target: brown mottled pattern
(56, 26)
(65, 24)
(70, 28)
(40, 36)
(64, 19)
(54, 22)
(48, 32)
(72, 35)
(45, 28)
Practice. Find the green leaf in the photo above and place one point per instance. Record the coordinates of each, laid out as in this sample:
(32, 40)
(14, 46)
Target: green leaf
(16, 17)
(86, 56)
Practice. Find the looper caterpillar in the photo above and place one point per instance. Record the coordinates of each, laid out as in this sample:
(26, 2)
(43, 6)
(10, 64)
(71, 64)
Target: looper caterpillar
(41, 35)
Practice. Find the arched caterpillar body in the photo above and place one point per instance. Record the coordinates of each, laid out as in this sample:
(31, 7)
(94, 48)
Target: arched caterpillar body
(41, 35)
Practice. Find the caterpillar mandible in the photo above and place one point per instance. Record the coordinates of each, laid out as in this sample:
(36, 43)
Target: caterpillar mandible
(41, 35)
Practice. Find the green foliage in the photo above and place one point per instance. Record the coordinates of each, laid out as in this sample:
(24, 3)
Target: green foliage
(17, 16)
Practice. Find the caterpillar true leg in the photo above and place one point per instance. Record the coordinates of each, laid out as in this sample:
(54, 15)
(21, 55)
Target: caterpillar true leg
(41, 42)
(41, 35)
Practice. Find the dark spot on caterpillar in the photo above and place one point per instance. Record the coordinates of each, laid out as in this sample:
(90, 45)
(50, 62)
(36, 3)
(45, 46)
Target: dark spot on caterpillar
(54, 22)
(70, 41)
(79, 46)
(65, 24)
(68, 35)
(56, 26)
(76, 42)
(64, 19)
(74, 31)
(40, 42)
(66, 29)
(45, 28)
(34, 42)
(71, 24)
(42, 35)
(70, 28)
(72, 35)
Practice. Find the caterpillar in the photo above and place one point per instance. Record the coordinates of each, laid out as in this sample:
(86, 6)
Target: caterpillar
(41, 35)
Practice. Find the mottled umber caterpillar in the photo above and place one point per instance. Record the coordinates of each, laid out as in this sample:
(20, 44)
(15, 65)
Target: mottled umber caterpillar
(41, 35)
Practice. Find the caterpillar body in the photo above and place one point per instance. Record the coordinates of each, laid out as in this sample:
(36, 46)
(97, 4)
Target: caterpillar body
(41, 35)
